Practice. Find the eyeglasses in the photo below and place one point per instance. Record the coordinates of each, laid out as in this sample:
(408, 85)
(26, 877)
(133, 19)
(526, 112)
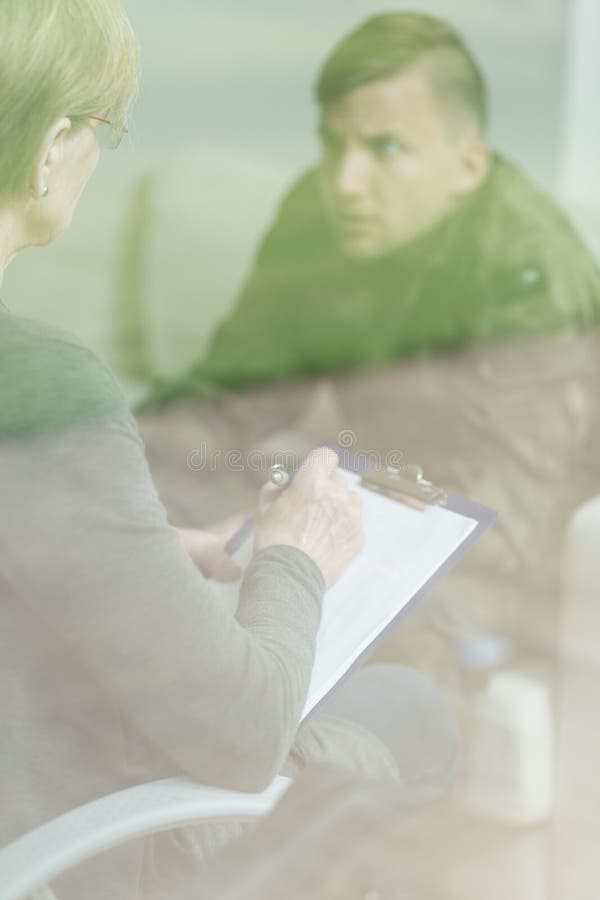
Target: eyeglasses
(108, 137)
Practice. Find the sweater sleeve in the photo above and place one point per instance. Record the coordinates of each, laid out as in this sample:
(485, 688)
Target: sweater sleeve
(88, 548)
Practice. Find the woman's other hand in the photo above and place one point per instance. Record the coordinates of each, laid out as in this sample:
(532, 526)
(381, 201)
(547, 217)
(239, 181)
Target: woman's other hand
(317, 513)
(207, 548)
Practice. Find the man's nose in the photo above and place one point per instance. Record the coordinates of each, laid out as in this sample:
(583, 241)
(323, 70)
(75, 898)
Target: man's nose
(352, 175)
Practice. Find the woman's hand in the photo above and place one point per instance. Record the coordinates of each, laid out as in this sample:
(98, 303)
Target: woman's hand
(317, 513)
(207, 548)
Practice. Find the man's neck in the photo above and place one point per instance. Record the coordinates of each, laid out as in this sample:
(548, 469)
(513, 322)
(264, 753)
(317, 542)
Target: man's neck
(458, 216)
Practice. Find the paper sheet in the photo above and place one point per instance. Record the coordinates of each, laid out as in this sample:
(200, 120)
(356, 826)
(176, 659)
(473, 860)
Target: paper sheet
(404, 548)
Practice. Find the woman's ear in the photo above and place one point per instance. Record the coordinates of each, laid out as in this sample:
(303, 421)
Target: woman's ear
(48, 156)
(474, 165)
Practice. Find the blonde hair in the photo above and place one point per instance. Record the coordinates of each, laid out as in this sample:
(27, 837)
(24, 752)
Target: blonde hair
(72, 58)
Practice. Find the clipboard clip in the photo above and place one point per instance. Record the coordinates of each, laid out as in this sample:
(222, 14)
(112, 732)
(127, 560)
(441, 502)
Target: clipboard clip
(405, 484)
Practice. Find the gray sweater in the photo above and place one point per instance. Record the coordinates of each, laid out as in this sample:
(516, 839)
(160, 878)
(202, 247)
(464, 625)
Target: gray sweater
(117, 665)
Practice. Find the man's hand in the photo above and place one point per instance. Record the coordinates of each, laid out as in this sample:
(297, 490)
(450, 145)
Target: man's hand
(207, 548)
(317, 513)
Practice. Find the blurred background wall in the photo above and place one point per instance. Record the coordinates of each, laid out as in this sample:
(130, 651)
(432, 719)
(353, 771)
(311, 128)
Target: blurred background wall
(242, 76)
(168, 226)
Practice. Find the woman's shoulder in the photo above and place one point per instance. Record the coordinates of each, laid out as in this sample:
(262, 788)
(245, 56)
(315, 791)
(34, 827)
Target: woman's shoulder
(49, 380)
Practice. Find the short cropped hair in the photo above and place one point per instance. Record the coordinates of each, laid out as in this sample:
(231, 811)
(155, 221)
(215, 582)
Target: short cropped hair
(72, 58)
(385, 45)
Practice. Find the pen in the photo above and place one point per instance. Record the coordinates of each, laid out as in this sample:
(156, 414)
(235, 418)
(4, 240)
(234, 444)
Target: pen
(278, 475)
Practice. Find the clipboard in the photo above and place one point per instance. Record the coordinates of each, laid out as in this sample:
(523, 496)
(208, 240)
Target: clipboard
(350, 631)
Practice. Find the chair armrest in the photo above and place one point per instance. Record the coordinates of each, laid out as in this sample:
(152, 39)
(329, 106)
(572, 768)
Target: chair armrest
(38, 857)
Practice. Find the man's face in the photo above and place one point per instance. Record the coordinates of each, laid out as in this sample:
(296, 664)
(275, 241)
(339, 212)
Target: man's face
(389, 168)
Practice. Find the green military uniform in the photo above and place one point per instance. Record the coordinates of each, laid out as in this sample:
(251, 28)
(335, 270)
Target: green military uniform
(507, 262)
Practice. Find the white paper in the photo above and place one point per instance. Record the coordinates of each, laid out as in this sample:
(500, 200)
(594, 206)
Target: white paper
(404, 548)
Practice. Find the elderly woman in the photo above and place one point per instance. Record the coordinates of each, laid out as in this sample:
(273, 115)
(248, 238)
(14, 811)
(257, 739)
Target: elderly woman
(117, 665)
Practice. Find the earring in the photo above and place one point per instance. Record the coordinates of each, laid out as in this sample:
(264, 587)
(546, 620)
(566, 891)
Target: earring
(45, 191)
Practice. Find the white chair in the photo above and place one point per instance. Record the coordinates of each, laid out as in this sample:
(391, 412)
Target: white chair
(34, 860)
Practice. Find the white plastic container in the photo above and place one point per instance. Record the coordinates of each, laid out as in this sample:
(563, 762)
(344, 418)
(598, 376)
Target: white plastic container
(509, 772)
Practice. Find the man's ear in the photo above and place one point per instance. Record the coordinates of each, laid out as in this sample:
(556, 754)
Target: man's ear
(48, 156)
(473, 165)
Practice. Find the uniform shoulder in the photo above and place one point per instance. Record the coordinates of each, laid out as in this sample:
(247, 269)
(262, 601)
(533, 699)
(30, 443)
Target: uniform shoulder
(298, 229)
(305, 189)
(531, 251)
(301, 204)
(517, 202)
(49, 380)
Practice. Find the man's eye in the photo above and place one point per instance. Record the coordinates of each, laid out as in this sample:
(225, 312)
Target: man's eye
(386, 148)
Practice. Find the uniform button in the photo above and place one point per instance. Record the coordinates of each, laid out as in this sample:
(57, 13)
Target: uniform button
(530, 276)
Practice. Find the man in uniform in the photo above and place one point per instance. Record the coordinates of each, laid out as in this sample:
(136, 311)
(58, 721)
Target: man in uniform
(447, 298)
(410, 235)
